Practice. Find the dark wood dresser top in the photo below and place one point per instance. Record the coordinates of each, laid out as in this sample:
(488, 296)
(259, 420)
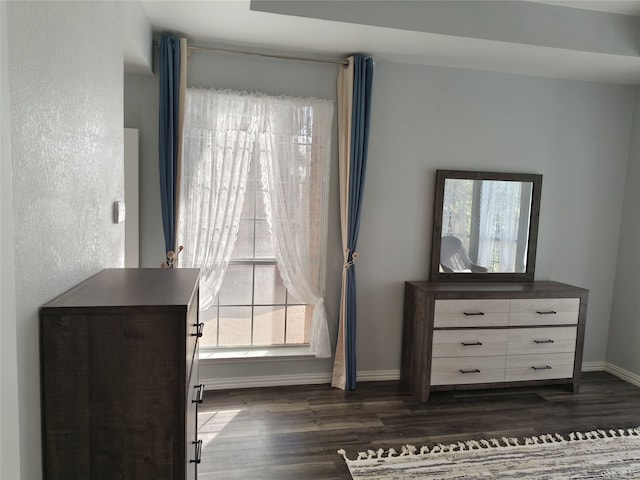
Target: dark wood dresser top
(487, 289)
(131, 287)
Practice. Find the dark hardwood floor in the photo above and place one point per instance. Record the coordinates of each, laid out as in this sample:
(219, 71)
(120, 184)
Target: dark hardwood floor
(294, 432)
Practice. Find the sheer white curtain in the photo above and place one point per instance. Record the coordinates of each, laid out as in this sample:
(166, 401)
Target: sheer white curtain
(294, 140)
(219, 137)
(295, 152)
(499, 221)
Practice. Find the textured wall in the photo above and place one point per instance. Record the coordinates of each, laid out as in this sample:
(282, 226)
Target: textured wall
(66, 80)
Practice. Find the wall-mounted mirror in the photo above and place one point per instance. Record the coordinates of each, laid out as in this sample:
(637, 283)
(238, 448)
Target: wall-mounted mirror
(485, 226)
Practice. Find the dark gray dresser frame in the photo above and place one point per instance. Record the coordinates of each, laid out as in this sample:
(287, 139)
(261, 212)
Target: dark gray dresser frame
(417, 331)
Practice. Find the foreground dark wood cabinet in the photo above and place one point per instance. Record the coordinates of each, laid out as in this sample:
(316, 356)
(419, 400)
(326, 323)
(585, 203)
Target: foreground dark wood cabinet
(464, 335)
(119, 367)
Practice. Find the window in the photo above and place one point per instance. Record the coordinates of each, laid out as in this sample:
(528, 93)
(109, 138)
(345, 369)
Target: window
(253, 307)
(253, 216)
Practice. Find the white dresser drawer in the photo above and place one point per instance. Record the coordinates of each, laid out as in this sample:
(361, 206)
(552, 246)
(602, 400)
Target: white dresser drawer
(466, 370)
(469, 343)
(544, 311)
(471, 313)
(523, 341)
(539, 367)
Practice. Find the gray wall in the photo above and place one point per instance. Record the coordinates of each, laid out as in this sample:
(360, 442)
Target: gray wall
(141, 112)
(65, 95)
(624, 335)
(574, 133)
(9, 428)
(237, 72)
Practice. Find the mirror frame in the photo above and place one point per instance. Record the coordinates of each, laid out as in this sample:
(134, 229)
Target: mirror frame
(532, 242)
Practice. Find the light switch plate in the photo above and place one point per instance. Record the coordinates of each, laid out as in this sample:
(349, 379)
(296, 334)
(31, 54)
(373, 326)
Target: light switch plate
(119, 212)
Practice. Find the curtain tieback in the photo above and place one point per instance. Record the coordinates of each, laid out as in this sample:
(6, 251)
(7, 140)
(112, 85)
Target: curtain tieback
(351, 258)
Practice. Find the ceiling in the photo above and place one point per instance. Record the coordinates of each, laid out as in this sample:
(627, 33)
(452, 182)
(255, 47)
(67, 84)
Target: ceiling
(623, 7)
(295, 27)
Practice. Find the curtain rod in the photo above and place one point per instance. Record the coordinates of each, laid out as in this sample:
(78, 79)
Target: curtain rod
(285, 57)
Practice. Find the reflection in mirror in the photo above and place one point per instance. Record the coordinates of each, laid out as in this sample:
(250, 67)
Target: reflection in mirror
(485, 226)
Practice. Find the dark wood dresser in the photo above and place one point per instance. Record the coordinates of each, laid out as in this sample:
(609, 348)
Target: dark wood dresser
(119, 367)
(466, 335)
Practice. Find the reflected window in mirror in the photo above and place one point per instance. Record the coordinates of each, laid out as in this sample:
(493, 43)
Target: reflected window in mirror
(496, 239)
(485, 226)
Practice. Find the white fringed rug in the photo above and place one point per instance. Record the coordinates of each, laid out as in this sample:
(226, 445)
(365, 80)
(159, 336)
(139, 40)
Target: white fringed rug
(612, 454)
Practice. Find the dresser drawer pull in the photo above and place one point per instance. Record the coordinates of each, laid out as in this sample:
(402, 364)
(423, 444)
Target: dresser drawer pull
(475, 370)
(471, 314)
(546, 312)
(200, 395)
(199, 330)
(544, 341)
(468, 344)
(546, 367)
(198, 458)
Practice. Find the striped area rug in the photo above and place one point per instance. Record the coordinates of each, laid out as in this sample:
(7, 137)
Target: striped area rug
(602, 454)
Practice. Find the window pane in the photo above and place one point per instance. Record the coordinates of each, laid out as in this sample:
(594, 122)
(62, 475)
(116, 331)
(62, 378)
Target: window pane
(269, 288)
(261, 211)
(244, 242)
(235, 326)
(253, 166)
(249, 200)
(263, 240)
(268, 326)
(210, 332)
(299, 324)
(236, 288)
(292, 299)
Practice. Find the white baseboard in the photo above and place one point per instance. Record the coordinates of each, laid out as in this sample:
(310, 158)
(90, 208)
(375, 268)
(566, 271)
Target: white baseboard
(284, 380)
(266, 381)
(371, 376)
(594, 366)
(378, 375)
(619, 372)
(623, 374)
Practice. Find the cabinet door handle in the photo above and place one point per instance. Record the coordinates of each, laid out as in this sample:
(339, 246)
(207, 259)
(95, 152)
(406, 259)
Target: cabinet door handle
(546, 312)
(471, 314)
(200, 395)
(544, 341)
(546, 367)
(471, 344)
(199, 329)
(475, 370)
(198, 458)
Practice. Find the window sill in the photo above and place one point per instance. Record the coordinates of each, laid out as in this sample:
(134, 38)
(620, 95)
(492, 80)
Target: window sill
(235, 355)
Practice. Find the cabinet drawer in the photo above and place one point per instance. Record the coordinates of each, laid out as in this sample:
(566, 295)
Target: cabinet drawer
(541, 340)
(469, 343)
(466, 370)
(544, 311)
(471, 313)
(539, 367)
